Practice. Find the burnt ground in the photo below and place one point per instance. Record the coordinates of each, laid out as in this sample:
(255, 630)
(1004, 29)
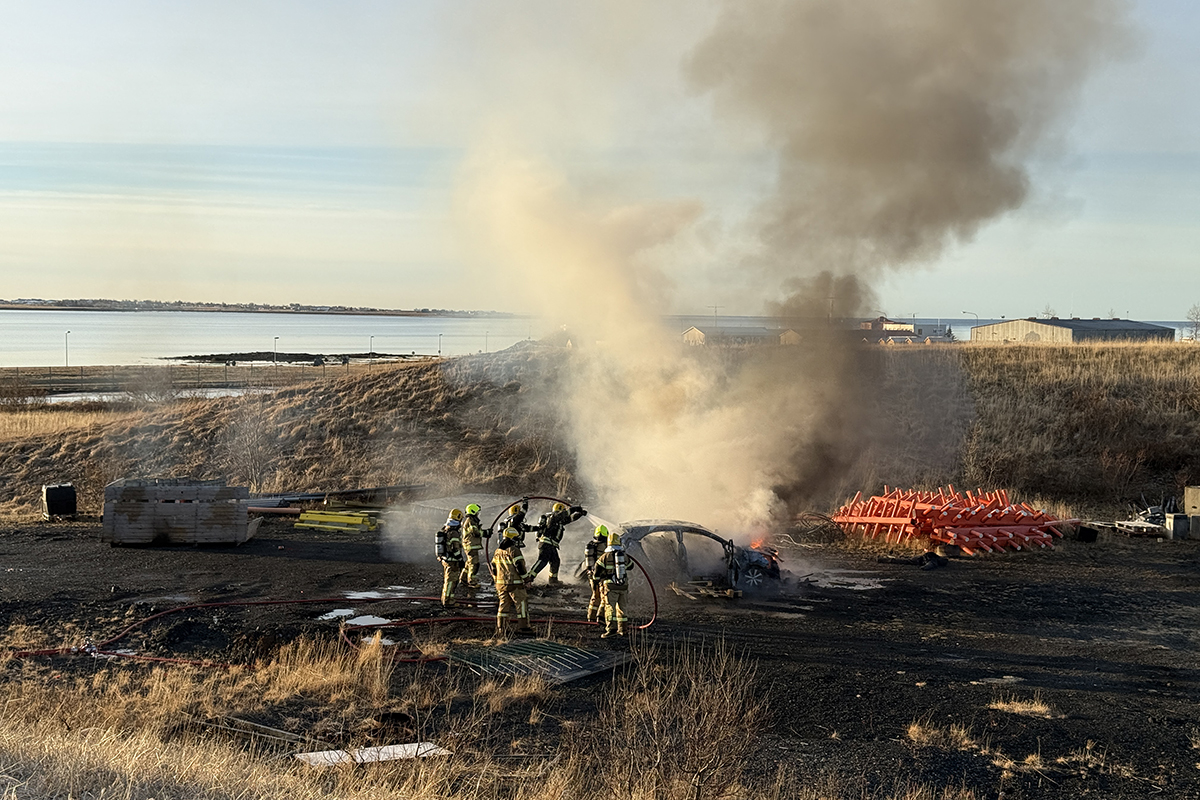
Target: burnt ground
(1107, 634)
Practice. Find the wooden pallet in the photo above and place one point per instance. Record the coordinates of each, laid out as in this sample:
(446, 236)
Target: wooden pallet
(175, 511)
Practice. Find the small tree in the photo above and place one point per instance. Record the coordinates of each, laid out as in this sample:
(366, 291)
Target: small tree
(1193, 318)
(1048, 312)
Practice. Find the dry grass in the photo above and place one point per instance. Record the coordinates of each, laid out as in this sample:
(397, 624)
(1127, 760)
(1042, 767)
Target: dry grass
(471, 421)
(1086, 424)
(41, 421)
(953, 737)
(500, 695)
(1034, 707)
(1090, 759)
(681, 726)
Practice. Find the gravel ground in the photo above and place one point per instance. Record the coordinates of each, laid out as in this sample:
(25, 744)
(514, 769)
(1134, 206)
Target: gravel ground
(1107, 635)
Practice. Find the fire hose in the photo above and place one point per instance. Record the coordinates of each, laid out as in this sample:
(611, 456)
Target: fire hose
(488, 555)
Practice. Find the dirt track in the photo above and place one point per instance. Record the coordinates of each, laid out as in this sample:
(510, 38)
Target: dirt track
(1107, 634)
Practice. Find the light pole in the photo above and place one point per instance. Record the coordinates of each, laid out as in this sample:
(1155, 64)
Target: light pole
(485, 342)
(275, 358)
(67, 349)
(371, 352)
(439, 344)
(973, 314)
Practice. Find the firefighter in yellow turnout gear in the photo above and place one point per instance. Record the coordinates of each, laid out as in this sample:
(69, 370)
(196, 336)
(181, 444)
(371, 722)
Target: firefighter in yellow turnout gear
(508, 570)
(550, 535)
(448, 546)
(614, 588)
(595, 547)
(472, 542)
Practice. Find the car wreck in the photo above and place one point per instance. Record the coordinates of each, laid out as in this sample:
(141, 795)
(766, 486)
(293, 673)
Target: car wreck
(673, 550)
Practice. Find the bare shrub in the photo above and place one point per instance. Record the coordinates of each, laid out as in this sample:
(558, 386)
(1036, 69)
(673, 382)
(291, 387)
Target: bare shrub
(151, 385)
(248, 451)
(17, 392)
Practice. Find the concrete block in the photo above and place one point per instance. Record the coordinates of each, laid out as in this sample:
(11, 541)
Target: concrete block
(1191, 501)
(1177, 526)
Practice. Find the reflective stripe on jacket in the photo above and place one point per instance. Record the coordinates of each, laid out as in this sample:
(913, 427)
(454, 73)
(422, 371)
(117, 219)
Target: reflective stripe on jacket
(508, 567)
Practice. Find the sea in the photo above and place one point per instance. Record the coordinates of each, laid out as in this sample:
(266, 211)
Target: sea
(36, 338)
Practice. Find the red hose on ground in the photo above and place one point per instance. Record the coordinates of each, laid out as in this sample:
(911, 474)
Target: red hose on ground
(99, 648)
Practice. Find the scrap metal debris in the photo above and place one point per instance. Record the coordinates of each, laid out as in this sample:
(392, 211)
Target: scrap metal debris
(558, 663)
(705, 588)
(973, 521)
(367, 755)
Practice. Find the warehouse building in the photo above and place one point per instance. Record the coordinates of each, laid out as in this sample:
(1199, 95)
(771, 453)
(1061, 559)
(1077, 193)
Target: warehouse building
(1069, 331)
(739, 336)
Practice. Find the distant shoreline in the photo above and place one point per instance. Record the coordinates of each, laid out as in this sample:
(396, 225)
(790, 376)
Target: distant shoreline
(242, 309)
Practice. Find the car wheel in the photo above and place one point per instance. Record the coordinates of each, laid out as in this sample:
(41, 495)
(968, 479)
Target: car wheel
(754, 577)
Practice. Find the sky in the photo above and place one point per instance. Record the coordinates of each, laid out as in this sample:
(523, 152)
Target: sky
(312, 152)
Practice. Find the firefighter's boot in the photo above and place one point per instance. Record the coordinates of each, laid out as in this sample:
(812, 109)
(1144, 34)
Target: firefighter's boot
(554, 581)
(593, 613)
(621, 628)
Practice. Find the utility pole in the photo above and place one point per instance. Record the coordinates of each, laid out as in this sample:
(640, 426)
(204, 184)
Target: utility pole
(715, 323)
(67, 349)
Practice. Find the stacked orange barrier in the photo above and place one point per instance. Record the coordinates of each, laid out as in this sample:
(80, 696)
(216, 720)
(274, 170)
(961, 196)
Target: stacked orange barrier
(972, 520)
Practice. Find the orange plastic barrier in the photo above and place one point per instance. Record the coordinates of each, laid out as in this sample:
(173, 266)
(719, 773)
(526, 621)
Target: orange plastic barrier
(974, 521)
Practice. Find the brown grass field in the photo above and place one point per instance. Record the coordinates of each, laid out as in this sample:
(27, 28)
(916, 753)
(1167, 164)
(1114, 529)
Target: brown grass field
(1088, 427)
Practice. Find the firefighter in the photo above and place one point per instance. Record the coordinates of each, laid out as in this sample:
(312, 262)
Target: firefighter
(550, 534)
(516, 520)
(610, 570)
(508, 570)
(595, 547)
(449, 549)
(472, 541)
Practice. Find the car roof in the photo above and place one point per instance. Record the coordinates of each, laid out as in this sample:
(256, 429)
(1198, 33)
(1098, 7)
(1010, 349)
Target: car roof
(638, 528)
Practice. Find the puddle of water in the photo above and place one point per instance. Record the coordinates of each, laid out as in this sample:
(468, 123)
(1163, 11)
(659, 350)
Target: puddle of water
(853, 579)
(367, 619)
(376, 595)
(336, 614)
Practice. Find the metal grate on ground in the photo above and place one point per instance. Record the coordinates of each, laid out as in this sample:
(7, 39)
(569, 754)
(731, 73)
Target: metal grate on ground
(558, 663)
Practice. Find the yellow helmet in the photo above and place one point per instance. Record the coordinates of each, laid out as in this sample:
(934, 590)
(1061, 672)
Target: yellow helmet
(601, 531)
(455, 514)
(514, 508)
(511, 533)
(472, 509)
(560, 506)
(614, 539)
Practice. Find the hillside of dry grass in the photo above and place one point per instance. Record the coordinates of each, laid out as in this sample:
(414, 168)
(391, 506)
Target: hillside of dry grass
(1094, 423)
(472, 421)
(1092, 426)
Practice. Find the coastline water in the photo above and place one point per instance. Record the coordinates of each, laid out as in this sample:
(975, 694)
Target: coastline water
(99, 338)
(35, 338)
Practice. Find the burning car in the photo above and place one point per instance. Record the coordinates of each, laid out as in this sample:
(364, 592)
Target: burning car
(675, 550)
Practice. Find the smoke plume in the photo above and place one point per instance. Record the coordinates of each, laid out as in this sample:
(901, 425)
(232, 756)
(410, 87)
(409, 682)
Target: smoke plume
(898, 127)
